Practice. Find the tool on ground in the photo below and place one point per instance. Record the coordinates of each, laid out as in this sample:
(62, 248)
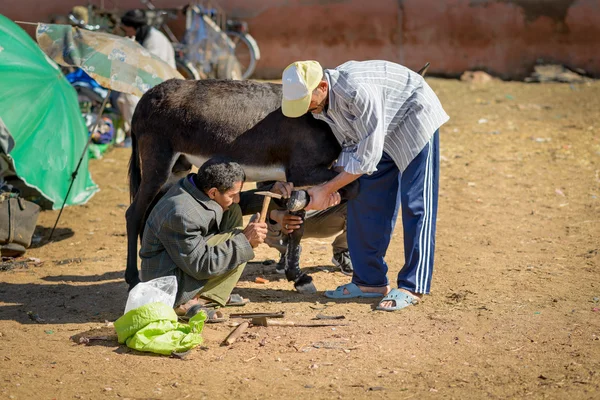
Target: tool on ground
(321, 316)
(266, 201)
(235, 334)
(264, 321)
(280, 314)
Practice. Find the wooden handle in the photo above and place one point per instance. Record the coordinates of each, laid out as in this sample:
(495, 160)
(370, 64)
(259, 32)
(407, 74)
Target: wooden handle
(235, 334)
(265, 209)
(280, 323)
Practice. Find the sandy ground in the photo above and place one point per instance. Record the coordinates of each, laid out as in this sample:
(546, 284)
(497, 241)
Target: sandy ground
(514, 310)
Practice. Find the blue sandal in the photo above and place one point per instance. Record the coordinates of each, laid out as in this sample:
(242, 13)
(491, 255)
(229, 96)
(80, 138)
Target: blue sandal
(401, 299)
(353, 292)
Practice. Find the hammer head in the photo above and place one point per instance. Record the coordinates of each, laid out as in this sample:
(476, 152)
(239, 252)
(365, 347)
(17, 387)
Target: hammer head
(260, 321)
(269, 194)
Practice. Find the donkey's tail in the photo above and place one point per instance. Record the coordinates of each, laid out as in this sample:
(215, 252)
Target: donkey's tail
(135, 175)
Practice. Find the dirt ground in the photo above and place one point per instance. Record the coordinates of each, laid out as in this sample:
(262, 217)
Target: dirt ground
(514, 310)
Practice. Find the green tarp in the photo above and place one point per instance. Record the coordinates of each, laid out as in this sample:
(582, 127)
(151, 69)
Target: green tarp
(41, 112)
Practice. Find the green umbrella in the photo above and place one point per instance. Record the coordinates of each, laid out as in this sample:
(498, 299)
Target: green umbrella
(41, 111)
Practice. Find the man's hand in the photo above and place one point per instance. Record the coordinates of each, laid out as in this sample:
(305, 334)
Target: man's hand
(288, 222)
(321, 198)
(283, 188)
(256, 232)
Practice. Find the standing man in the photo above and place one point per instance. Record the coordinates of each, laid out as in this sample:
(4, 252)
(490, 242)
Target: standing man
(194, 232)
(136, 25)
(387, 119)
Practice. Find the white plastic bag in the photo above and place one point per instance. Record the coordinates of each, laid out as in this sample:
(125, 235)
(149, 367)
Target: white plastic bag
(162, 290)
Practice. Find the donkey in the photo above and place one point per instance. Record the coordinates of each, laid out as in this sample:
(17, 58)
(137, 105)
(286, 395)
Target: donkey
(181, 123)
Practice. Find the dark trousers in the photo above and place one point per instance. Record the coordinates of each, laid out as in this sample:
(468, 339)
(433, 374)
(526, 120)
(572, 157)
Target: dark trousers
(372, 217)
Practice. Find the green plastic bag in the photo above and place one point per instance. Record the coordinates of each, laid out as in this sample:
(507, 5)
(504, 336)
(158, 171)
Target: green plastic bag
(154, 328)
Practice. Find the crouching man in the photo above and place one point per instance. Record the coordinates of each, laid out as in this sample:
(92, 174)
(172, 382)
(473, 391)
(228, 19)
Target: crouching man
(195, 233)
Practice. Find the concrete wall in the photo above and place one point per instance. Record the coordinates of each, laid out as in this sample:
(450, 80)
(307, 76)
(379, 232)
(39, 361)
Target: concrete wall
(504, 37)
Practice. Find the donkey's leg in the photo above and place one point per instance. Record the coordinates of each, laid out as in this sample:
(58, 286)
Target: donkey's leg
(302, 282)
(296, 204)
(156, 169)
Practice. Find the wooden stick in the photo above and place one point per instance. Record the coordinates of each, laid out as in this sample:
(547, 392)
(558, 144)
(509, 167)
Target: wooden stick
(265, 209)
(235, 334)
(26, 23)
(280, 314)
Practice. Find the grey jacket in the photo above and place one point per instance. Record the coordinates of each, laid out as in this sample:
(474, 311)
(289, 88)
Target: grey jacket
(175, 241)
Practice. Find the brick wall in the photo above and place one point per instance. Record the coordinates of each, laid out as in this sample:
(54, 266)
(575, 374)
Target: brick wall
(504, 37)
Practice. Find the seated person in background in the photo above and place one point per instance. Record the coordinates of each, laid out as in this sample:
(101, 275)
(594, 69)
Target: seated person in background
(317, 224)
(194, 232)
(135, 24)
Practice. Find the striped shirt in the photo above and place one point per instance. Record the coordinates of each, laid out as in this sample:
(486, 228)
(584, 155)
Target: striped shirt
(376, 107)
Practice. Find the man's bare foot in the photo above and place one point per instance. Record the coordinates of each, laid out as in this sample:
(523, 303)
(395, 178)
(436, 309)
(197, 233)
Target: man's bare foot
(212, 315)
(183, 308)
(367, 289)
(392, 303)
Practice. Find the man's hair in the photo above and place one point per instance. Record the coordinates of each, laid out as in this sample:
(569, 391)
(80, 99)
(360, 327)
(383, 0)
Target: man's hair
(219, 173)
(134, 18)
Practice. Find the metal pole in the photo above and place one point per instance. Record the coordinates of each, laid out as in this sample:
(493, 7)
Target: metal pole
(74, 175)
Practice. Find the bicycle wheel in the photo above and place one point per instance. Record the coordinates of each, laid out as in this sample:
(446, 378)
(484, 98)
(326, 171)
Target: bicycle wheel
(246, 51)
(229, 68)
(185, 68)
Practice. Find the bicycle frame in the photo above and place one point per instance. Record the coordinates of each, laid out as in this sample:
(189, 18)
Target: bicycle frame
(204, 45)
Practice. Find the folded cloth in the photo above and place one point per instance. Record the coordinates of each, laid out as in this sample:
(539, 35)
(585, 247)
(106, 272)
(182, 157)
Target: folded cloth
(154, 328)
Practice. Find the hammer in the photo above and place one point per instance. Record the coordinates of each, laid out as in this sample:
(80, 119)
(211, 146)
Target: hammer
(264, 321)
(266, 200)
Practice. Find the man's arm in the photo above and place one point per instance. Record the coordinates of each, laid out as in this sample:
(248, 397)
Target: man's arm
(326, 195)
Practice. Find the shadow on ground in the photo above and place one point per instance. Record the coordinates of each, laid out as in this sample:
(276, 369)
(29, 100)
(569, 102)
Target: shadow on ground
(107, 276)
(83, 301)
(41, 235)
(32, 303)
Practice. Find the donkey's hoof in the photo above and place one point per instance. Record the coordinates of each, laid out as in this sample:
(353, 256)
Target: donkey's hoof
(298, 200)
(305, 285)
(133, 283)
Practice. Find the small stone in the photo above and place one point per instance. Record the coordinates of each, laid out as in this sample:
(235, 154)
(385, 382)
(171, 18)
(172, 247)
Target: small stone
(107, 389)
(278, 359)
(478, 77)
(314, 366)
